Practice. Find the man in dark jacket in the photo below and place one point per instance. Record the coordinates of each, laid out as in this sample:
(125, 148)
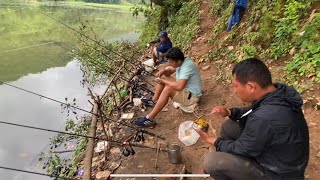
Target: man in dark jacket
(269, 139)
(163, 45)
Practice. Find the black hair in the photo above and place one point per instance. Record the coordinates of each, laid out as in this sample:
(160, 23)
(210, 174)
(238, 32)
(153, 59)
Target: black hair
(175, 54)
(252, 69)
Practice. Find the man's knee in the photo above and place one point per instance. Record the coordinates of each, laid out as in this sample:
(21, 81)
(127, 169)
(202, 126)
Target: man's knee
(228, 123)
(230, 129)
(168, 91)
(216, 163)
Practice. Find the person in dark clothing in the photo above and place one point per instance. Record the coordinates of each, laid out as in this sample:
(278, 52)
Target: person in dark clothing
(269, 139)
(163, 45)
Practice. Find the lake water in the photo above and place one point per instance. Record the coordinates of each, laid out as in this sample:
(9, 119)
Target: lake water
(30, 58)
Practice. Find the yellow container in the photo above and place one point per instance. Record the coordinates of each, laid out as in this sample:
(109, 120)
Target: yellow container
(202, 124)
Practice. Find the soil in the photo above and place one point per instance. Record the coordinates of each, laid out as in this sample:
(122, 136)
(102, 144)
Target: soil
(214, 93)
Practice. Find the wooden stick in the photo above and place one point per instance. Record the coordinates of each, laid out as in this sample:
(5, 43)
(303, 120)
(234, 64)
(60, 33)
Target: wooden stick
(60, 152)
(112, 79)
(158, 148)
(91, 94)
(90, 145)
(101, 118)
(130, 99)
(114, 99)
(123, 102)
(117, 90)
(183, 171)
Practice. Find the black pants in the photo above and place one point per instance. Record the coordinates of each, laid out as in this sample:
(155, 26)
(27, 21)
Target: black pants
(226, 166)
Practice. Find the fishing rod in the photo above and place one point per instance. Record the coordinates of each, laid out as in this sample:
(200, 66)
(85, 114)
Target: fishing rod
(95, 41)
(106, 70)
(137, 129)
(69, 105)
(26, 47)
(88, 37)
(77, 135)
(37, 173)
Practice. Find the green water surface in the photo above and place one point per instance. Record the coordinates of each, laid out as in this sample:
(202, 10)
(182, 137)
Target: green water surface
(31, 42)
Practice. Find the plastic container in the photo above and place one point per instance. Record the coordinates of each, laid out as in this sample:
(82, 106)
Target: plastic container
(202, 124)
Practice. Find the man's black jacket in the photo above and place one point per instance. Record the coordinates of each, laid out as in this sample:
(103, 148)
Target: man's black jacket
(274, 132)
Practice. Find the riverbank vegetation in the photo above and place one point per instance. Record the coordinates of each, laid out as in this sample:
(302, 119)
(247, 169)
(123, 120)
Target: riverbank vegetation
(283, 33)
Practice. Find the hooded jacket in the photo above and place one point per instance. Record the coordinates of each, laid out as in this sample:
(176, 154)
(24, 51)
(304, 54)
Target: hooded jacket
(274, 132)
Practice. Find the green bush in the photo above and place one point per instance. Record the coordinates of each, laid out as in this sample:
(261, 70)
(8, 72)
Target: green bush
(184, 25)
(286, 26)
(307, 61)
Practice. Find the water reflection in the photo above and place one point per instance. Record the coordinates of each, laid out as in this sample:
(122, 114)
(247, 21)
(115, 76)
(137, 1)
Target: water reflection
(19, 146)
(26, 35)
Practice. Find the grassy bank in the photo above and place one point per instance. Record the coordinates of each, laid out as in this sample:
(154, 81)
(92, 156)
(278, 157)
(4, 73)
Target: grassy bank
(183, 22)
(285, 34)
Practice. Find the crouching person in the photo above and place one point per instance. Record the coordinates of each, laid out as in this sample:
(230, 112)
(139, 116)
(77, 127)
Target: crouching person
(269, 139)
(184, 89)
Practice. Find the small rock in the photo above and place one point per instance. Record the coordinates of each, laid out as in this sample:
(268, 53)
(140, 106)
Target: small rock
(95, 163)
(292, 51)
(115, 151)
(306, 176)
(201, 60)
(103, 175)
(318, 154)
(150, 137)
(302, 50)
(302, 33)
(95, 159)
(165, 110)
(100, 146)
(115, 165)
(249, 29)
(312, 124)
(143, 110)
(240, 56)
(206, 67)
(219, 61)
(230, 48)
(127, 116)
(140, 166)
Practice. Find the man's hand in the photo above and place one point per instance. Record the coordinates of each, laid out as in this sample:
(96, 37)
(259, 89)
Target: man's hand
(165, 72)
(206, 137)
(160, 73)
(159, 80)
(222, 111)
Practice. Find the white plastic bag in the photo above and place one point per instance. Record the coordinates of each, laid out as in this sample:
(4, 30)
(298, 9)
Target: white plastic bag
(187, 135)
(136, 101)
(149, 65)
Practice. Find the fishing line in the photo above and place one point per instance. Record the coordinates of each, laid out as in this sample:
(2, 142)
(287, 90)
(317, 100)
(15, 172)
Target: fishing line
(26, 47)
(32, 172)
(106, 70)
(77, 135)
(97, 42)
(69, 105)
